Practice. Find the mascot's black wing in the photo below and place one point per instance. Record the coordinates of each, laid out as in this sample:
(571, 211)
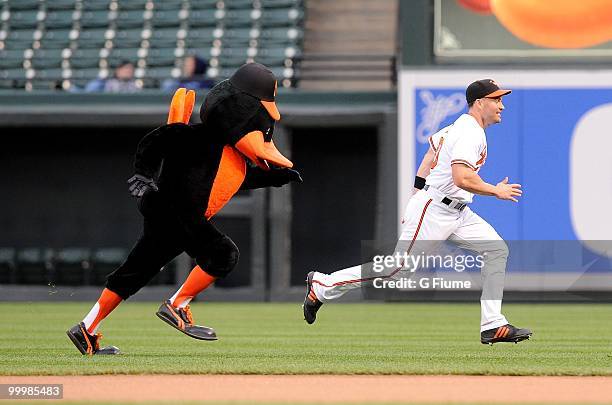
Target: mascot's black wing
(151, 148)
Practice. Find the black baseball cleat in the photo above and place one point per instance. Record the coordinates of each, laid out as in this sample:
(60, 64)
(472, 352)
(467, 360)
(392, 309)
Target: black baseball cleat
(311, 302)
(89, 344)
(505, 333)
(181, 319)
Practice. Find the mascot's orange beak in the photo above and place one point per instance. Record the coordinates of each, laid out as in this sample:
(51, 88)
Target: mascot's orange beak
(270, 106)
(252, 145)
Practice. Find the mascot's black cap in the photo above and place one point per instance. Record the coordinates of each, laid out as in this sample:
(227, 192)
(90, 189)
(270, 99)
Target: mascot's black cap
(258, 81)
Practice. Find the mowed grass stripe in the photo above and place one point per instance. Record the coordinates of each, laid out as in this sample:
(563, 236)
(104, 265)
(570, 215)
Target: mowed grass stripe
(259, 338)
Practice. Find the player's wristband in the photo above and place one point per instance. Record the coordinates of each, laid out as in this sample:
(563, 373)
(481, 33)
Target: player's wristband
(419, 182)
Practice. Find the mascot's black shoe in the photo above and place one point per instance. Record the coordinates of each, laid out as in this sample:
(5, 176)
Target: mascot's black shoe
(89, 344)
(311, 302)
(506, 333)
(181, 319)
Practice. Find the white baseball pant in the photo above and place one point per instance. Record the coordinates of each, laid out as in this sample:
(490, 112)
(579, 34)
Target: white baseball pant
(426, 218)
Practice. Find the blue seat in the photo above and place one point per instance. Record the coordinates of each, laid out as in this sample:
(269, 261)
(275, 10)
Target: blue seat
(282, 3)
(236, 37)
(57, 38)
(19, 39)
(46, 85)
(281, 17)
(85, 73)
(23, 4)
(92, 38)
(23, 19)
(240, 18)
(80, 77)
(118, 55)
(11, 58)
(7, 84)
(47, 58)
(238, 4)
(13, 74)
(159, 73)
(103, 262)
(71, 266)
(7, 266)
(203, 18)
(198, 37)
(170, 5)
(60, 5)
(165, 18)
(203, 4)
(277, 56)
(49, 74)
(34, 266)
(158, 57)
(281, 35)
(132, 4)
(94, 19)
(85, 58)
(163, 37)
(96, 5)
(130, 19)
(58, 19)
(128, 38)
(201, 52)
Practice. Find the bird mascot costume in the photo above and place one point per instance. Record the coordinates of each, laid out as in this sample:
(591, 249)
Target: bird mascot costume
(184, 174)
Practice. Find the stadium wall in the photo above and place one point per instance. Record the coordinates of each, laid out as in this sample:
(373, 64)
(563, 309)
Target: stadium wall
(66, 158)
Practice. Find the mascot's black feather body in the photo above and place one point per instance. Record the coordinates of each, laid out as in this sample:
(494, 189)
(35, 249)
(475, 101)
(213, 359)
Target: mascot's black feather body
(196, 169)
(192, 154)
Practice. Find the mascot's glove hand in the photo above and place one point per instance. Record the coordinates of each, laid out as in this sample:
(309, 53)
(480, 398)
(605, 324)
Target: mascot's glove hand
(140, 184)
(284, 176)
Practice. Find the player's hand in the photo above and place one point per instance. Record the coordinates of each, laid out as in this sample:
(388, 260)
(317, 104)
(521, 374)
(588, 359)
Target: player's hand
(505, 191)
(284, 176)
(140, 184)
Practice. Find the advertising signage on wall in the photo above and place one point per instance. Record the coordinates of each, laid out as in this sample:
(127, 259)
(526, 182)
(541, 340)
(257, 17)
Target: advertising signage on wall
(522, 30)
(554, 139)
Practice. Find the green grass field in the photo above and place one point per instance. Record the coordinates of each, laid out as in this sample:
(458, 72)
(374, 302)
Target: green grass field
(258, 338)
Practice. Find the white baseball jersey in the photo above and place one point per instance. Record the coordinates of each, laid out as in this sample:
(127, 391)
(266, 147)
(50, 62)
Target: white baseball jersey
(463, 142)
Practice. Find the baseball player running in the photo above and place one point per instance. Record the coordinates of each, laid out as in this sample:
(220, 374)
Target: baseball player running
(448, 179)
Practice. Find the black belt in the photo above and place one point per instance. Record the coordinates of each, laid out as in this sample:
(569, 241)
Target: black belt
(447, 201)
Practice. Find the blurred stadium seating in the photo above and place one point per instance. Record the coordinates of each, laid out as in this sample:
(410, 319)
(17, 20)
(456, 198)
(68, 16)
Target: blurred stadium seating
(63, 44)
(72, 266)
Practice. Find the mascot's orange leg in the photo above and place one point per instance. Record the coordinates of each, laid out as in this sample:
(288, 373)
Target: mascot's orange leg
(197, 281)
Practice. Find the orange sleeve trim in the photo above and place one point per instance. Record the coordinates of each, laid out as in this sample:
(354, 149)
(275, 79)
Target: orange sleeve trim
(465, 162)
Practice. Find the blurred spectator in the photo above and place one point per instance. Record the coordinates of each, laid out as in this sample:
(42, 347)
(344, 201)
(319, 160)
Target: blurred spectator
(193, 78)
(121, 82)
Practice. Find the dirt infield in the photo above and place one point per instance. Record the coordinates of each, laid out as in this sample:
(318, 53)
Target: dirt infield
(329, 388)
